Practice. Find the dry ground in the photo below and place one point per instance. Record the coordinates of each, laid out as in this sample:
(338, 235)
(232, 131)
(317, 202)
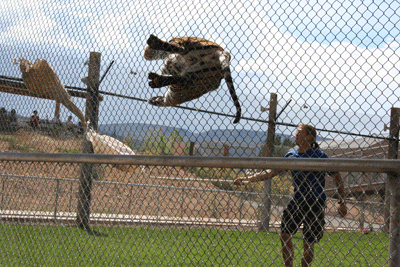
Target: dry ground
(139, 192)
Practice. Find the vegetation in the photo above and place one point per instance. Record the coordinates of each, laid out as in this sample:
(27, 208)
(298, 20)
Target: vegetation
(289, 143)
(15, 144)
(163, 145)
(27, 141)
(69, 246)
(281, 147)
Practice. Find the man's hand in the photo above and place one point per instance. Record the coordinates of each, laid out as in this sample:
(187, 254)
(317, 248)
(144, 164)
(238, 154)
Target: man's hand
(240, 181)
(342, 210)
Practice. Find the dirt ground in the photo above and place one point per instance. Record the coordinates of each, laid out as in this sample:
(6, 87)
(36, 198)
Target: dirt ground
(150, 191)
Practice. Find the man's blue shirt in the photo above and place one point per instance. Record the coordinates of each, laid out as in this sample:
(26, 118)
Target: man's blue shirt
(308, 184)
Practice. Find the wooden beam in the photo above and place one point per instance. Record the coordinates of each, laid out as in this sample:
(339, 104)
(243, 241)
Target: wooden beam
(19, 88)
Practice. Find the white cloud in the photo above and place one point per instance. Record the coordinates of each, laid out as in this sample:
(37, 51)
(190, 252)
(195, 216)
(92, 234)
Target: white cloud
(342, 65)
(109, 31)
(33, 26)
(254, 40)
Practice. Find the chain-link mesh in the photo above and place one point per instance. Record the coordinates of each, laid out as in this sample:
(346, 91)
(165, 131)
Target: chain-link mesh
(330, 64)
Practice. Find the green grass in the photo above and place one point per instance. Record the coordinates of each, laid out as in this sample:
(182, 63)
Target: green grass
(13, 144)
(7, 139)
(68, 246)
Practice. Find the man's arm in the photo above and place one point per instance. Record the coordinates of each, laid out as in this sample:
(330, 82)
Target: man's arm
(342, 199)
(340, 186)
(258, 177)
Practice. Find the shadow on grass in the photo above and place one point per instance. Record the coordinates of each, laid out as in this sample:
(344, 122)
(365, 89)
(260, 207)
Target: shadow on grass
(90, 231)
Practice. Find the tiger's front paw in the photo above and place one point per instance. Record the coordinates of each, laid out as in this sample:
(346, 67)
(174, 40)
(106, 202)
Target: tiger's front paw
(155, 80)
(157, 101)
(154, 42)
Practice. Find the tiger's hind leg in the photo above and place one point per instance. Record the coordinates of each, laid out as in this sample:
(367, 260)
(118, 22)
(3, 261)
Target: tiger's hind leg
(158, 44)
(161, 80)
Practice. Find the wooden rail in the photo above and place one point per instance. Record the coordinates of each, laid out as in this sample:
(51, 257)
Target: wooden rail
(19, 88)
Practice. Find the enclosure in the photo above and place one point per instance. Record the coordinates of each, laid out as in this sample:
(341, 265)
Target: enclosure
(128, 183)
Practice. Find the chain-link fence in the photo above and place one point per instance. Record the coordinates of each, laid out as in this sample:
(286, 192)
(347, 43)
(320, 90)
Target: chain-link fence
(330, 64)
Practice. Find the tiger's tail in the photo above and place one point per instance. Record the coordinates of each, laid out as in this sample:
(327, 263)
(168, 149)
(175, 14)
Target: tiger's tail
(226, 72)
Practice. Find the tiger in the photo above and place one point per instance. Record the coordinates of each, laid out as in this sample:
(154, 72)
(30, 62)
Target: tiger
(192, 67)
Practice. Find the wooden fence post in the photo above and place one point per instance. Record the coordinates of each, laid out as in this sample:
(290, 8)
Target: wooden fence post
(92, 111)
(226, 150)
(392, 199)
(191, 148)
(266, 196)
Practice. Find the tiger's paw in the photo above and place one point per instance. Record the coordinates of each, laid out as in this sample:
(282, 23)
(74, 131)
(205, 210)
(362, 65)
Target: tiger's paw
(155, 42)
(157, 101)
(155, 80)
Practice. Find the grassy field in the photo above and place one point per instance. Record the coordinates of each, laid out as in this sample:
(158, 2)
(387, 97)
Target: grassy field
(23, 245)
(69, 246)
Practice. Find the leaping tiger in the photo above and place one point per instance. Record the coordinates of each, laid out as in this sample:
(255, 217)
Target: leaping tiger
(192, 67)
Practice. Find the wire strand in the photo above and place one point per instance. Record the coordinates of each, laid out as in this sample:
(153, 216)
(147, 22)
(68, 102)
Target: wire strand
(217, 113)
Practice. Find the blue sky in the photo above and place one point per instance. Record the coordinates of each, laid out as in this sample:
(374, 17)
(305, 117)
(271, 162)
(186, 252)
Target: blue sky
(338, 55)
(368, 24)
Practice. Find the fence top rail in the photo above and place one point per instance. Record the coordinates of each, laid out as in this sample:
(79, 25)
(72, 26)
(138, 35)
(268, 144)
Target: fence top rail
(344, 165)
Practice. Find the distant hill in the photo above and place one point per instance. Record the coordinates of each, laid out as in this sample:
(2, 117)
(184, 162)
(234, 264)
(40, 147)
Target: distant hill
(139, 131)
(235, 136)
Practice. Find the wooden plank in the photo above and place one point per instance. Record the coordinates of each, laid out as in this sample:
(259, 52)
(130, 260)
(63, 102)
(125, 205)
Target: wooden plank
(19, 88)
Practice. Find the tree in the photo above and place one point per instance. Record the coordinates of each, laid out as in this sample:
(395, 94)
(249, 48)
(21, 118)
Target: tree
(278, 140)
(161, 144)
(288, 142)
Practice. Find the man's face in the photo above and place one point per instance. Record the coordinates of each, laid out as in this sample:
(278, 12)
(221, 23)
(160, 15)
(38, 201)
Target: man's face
(302, 137)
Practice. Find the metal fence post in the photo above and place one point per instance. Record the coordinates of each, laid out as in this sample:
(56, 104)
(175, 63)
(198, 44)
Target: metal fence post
(392, 187)
(266, 196)
(92, 110)
(394, 232)
(2, 192)
(56, 200)
(392, 154)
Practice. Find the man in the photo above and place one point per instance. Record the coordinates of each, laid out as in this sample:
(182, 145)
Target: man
(34, 121)
(308, 204)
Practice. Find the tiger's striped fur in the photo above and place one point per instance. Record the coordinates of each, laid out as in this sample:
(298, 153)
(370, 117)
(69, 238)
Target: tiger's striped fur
(192, 67)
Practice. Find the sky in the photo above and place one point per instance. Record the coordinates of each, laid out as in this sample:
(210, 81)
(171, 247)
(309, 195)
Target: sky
(337, 61)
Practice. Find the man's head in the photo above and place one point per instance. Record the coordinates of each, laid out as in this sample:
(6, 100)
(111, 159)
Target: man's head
(306, 135)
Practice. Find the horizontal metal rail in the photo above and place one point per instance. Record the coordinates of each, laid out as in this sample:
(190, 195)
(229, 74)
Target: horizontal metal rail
(134, 184)
(249, 193)
(345, 165)
(120, 218)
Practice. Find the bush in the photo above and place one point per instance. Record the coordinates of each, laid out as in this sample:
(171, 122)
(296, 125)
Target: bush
(161, 144)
